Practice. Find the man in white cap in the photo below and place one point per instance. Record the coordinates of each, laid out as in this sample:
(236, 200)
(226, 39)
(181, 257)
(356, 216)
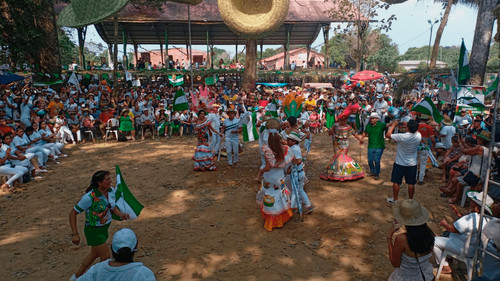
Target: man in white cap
(463, 116)
(122, 267)
(376, 143)
(381, 106)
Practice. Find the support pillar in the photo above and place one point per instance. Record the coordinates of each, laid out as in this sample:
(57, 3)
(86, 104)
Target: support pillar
(308, 54)
(236, 57)
(136, 55)
(287, 50)
(166, 48)
(261, 49)
(326, 31)
(115, 57)
(82, 34)
(208, 50)
(125, 58)
(212, 56)
(162, 58)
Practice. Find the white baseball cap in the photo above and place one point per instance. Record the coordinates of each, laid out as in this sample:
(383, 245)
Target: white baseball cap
(124, 238)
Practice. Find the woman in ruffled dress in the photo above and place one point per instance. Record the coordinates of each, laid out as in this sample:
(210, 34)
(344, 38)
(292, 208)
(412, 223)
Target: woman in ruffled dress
(273, 196)
(203, 155)
(342, 167)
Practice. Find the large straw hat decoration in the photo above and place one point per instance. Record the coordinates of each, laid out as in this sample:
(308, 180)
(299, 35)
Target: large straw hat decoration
(81, 13)
(253, 19)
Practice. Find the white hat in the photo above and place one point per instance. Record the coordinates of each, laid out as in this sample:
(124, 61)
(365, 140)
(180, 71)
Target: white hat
(465, 122)
(440, 145)
(375, 115)
(294, 136)
(124, 238)
(57, 97)
(380, 96)
(410, 212)
(478, 197)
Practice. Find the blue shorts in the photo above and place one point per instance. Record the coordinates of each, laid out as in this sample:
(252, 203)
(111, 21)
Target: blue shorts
(408, 172)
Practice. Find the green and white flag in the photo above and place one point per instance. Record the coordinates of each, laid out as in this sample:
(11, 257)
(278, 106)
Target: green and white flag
(427, 106)
(250, 132)
(463, 65)
(176, 80)
(180, 101)
(125, 200)
(211, 80)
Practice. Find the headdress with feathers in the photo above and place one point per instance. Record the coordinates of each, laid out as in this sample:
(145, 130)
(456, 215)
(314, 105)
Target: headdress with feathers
(292, 104)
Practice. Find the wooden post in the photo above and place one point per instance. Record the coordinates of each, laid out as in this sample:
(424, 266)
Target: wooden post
(161, 52)
(326, 31)
(115, 58)
(136, 55)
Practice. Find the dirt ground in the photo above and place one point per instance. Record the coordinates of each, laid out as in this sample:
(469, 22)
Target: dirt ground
(206, 225)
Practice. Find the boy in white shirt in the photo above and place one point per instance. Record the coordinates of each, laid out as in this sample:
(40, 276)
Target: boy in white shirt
(230, 128)
(293, 141)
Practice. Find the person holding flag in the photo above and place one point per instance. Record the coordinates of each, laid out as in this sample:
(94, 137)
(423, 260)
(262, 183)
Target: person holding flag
(99, 204)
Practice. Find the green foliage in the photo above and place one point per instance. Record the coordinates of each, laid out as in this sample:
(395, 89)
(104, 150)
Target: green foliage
(493, 59)
(68, 49)
(339, 46)
(386, 57)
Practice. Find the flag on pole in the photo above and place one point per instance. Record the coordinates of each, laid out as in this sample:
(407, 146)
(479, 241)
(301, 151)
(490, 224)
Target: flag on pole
(180, 101)
(176, 80)
(211, 80)
(128, 76)
(250, 129)
(492, 88)
(463, 65)
(73, 80)
(272, 108)
(125, 200)
(427, 106)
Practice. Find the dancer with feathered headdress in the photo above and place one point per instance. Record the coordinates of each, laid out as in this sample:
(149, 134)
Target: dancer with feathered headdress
(342, 167)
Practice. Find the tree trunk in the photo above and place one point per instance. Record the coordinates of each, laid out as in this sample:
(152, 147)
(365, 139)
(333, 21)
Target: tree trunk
(439, 33)
(82, 33)
(482, 39)
(47, 58)
(250, 73)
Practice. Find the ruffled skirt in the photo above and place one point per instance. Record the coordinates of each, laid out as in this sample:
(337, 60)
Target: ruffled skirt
(203, 159)
(275, 205)
(342, 168)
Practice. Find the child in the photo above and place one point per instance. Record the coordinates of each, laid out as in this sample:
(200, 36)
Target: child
(307, 140)
(231, 128)
(293, 141)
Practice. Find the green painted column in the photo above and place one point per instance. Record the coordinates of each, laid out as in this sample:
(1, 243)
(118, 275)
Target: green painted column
(125, 58)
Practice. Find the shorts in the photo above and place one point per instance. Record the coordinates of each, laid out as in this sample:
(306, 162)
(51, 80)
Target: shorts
(96, 235)
(408, 172)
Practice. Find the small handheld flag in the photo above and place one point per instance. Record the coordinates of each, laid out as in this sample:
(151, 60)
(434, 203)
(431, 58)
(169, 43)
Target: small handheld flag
(125, 200)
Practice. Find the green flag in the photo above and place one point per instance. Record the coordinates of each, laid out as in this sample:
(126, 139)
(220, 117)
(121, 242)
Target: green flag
(180, 101)
(426, 106)
(211, 80)
(125, 200)
(463, 66)
(176, 80)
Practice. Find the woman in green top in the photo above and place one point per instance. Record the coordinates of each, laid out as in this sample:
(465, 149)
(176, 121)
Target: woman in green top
(127, 123)
(98, 203)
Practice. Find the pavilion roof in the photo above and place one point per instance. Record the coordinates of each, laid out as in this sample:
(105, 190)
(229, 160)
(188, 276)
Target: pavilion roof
(147, 25)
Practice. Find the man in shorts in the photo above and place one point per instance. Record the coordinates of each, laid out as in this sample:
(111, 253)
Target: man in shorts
(405, 164)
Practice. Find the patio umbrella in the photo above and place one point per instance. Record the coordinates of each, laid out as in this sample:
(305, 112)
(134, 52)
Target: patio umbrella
(472, 101)
(9, 78)
(366, 75)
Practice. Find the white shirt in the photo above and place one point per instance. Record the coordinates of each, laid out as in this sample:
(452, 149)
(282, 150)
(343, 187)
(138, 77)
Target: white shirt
(215, 121)
(380, 107)
(447, 132)
(134, 271)
(230, 126)
(406, 153)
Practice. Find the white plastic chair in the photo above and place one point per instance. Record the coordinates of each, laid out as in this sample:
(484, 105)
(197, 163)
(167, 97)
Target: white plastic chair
(112, 127)
(464, 196)
(466, 255)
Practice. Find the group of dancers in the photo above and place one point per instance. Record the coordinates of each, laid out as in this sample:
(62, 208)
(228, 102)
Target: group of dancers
(281, 174)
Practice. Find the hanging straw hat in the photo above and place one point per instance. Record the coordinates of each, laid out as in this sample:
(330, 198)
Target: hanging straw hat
(86, 12)
(410, 212)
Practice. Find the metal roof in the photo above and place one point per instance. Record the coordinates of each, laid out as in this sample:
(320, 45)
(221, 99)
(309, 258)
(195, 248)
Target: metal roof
(146, 25)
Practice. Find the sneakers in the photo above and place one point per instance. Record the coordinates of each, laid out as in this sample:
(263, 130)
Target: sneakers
(41, 171)
(63, 155)
(391, 200)
(73, 278)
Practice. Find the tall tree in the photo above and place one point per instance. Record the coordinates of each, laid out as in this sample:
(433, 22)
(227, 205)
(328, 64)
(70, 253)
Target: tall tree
(482, 40)
(28, 27)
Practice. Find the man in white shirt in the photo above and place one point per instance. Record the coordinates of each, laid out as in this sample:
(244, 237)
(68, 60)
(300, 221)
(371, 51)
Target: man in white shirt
(214, 118)
(381, 106)
(405, 164)
(447, 132)
(231, 128)
(122, 266)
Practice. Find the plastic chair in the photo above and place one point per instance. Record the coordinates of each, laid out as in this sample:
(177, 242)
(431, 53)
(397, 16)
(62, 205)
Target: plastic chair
(466, 255)
(145, 128)
(112, 127)
(464, 196)
(91, 134)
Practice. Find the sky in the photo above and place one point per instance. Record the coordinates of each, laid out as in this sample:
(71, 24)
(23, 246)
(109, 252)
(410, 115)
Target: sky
(411, 28)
